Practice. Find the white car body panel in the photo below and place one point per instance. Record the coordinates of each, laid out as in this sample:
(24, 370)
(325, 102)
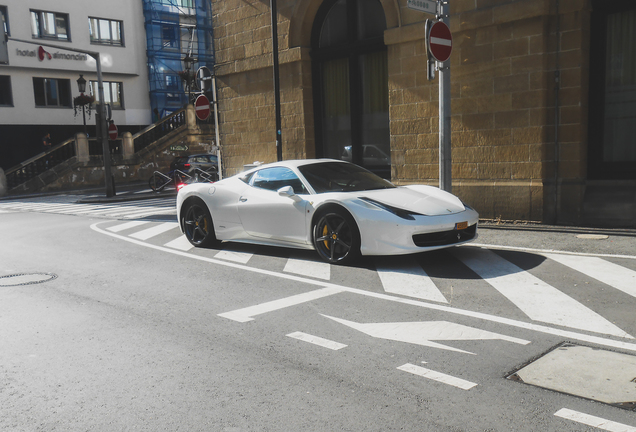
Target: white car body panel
(243, 213)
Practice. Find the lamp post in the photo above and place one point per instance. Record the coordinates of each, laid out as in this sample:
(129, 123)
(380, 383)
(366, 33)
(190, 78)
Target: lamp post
(81, 86)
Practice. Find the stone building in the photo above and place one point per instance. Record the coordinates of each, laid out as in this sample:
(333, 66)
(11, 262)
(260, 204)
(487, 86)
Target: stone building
(543, 98)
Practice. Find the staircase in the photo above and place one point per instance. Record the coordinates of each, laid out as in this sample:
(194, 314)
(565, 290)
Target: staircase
(78, 163)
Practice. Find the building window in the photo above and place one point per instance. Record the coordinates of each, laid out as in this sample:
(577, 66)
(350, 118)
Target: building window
(612, 133)
(113, 93)
(169, 36)
(351, 93)
(179, 3)
(5, 16)
(49, 25)
(51, 92)
(6, 97)
(105, 31)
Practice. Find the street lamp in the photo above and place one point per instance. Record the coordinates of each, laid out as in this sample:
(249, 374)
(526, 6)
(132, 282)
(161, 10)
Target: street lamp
(81, 86)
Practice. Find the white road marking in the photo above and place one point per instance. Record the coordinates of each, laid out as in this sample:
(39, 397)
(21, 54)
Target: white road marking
(423, 333)
(180, 243)
(380, 296)
(125, 226)
(154, 231)
(320, 270)
(537, 299)
(544, 251)
(325, 343)
(409, 279)
(247, 314)
(593, 421)
(616, 276)
(235, 256)
(437, 376)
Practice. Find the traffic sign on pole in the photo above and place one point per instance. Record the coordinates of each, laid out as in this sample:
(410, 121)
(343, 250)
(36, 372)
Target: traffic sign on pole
(440, 41)
(112, 131)
(202, 107)
(426, 6)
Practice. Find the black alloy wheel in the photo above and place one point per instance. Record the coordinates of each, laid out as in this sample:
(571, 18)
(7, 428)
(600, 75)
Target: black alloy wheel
(198, 226)
(336, 237)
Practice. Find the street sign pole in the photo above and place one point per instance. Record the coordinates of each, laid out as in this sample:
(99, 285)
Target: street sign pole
(445, 160)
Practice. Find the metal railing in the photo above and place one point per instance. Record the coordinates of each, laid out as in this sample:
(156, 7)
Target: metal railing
(38, 164)
(158, 130)
(95, 147)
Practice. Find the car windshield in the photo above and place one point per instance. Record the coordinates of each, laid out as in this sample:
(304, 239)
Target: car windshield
(341, 177)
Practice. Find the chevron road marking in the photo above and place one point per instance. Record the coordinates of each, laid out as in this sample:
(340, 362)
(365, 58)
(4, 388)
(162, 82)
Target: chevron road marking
(180, 243)
(437, 376)
(315, 340)
(125, 226)
(154, 231)
(319, 270)
(409, 279)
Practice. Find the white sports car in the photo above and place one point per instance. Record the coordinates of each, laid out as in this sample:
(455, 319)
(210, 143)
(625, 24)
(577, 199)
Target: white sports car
(337, 208)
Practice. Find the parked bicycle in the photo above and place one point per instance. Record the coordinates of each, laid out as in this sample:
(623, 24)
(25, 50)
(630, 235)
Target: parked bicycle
(158, 181)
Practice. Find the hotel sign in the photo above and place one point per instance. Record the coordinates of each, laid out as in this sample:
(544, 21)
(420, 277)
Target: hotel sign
(43, 54)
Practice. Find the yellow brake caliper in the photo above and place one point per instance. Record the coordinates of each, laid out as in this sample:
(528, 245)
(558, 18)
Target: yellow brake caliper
(325, 231)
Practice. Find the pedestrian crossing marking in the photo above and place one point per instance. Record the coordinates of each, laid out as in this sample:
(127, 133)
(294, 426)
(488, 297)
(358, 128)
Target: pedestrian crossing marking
(180, 243)
(537, 299)
(154, 231)
(234, 256)
(407, 277)
(125, 226)
(319, 270)
(611, 274)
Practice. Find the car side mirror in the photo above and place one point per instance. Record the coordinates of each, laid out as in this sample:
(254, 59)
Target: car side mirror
(288, 191)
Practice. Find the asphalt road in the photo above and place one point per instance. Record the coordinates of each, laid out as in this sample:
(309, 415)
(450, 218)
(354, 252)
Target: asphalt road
(133, 334)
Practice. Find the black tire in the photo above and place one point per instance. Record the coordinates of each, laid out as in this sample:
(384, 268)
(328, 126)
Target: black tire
(336, 236)
(197, 224)
(157, 182)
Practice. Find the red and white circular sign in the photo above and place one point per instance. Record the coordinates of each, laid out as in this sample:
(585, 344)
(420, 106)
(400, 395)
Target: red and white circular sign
(112, 131)
(440, 41)
(202, 107)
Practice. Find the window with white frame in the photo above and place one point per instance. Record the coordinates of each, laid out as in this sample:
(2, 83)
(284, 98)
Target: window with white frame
(113, 93)
(5, 16)
(52, 92)
(50, 25)
(6, 96)
(106, 31)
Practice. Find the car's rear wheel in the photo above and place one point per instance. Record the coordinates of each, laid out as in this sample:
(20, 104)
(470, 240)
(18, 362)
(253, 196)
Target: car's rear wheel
(336, 236)
(197, 223)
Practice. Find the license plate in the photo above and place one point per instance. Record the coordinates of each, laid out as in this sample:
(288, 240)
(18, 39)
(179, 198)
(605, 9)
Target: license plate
(461, 225)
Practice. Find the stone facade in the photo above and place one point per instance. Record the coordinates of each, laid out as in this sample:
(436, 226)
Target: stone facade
(516, 66)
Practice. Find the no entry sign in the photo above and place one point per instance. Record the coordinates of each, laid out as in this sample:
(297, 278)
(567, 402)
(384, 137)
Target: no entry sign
(112, 131)
(440, 42)
(202, 107)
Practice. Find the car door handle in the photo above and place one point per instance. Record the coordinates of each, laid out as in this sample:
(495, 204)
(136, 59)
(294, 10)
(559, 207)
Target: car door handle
(242, 199)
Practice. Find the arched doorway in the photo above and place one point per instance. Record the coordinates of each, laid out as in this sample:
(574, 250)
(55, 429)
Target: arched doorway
(350, 73)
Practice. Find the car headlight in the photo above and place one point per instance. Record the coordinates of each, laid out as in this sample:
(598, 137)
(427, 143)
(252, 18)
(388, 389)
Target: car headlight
(401, 213)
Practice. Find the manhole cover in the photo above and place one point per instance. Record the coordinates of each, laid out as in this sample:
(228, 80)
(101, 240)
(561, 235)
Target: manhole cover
(26, 279)
(591, 373)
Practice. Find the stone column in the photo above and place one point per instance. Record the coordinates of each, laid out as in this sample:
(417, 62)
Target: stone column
(129, 146)
(81, 148)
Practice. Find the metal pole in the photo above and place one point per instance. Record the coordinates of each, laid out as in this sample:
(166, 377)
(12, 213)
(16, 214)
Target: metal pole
(216, 127)
(445, 160)
(279, 139)
(110, 190)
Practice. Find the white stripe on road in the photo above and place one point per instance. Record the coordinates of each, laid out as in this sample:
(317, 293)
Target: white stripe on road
(234, 256)
(125, 226)
(247, 314)
(325, 343)
(437, 376)
(409, 279)
(154, 231)
(616, 276)
(593, 421)
(320, 270)
(181, 243)
(537, 299)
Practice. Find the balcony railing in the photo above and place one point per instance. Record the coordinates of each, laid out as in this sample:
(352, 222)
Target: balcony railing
(158, 130)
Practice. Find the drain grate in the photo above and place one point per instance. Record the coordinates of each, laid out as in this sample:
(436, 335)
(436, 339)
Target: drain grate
(26, 279)
(591, 373)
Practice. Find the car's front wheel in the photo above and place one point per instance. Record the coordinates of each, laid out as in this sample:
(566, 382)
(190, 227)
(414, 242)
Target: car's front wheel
(197, 223)
(336, 236)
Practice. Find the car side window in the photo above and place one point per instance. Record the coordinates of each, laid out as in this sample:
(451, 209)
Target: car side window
(276, 178)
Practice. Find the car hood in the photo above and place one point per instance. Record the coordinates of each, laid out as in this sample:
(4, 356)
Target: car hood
(427, 200)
